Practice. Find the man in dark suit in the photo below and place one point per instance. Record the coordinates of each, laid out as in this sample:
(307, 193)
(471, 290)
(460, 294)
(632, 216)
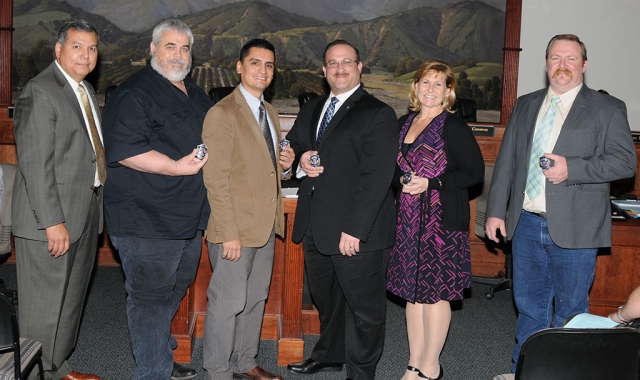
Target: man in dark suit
(243, 183)
(346, 216)
(558, 217)
(155, 202)
(57, 197)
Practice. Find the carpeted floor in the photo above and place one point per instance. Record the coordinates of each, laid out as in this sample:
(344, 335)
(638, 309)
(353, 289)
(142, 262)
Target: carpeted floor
(479, 344)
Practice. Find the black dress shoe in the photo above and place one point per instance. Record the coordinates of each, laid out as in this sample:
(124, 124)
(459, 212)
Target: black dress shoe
(311, 366)
(181, 372)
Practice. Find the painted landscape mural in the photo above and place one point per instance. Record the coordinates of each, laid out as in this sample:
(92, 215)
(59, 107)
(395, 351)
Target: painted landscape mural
(394, 37)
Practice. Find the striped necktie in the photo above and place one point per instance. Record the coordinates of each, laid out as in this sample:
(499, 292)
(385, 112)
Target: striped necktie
(95, 136)
(535, 177)
(326, 119)
(266, 131)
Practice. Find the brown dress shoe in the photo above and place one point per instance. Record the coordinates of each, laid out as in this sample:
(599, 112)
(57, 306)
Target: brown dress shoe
(73, 375)
(257, 373)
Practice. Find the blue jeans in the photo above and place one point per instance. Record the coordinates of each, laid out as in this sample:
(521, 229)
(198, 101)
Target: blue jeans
(548, 281)
(157, 275)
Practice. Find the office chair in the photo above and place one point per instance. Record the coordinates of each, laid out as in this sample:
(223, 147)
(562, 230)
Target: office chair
(13, 349)
(465, 109)
(217, 93)
(504, 280)
(305, 97)
(8, 172)
(585, 354)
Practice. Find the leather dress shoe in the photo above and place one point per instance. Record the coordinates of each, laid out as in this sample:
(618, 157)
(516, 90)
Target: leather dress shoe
(312, 366)
(257, 373)
(180, 371)
(73, 375)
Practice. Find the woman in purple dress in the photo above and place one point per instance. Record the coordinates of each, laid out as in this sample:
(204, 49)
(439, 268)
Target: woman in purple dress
(438, 161)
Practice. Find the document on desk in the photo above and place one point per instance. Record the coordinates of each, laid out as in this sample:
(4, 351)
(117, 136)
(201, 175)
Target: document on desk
(630, 206)
(590, 321)
(290, 192)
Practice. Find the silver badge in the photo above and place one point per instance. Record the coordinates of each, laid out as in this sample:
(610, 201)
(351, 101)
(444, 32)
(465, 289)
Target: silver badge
(201, 151)
(314, 159)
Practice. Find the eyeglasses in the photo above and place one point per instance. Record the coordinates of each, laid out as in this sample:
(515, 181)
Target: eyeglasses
(347, 63)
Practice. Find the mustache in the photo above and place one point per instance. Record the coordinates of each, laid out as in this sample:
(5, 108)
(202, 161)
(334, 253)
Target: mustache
(563, 71)
(177, 60)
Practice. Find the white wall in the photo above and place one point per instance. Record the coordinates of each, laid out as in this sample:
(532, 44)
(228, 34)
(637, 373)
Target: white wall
(609, 28)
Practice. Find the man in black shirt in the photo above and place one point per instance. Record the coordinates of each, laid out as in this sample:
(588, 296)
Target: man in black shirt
(155, 201)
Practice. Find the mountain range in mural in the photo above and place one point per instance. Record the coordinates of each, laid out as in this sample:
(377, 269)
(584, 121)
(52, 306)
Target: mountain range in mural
(387, 32)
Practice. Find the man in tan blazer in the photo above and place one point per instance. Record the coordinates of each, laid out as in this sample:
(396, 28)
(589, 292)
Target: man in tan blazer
(242, 179)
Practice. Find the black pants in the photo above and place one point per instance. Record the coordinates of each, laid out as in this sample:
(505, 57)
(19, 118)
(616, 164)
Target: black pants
(350, 293)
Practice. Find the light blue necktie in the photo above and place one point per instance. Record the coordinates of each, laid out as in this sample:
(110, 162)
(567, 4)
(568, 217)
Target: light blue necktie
(541, 139)
(326, 119)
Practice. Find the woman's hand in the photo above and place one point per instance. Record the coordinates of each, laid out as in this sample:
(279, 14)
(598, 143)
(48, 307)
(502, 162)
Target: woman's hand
(417, 185)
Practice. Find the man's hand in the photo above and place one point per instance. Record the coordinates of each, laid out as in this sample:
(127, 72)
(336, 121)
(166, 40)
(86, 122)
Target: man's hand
(232, 250)
(559, 172)
(305, 164)
(286, 158)
(58, 240)
(492, 225)
(349, 245)
(190, 164)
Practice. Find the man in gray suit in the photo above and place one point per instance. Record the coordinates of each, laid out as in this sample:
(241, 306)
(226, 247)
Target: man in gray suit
(57, 200)
(558, 217)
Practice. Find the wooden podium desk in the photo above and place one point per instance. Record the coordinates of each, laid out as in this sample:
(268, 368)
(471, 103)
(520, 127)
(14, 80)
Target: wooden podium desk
(617, 268)
(285, 319)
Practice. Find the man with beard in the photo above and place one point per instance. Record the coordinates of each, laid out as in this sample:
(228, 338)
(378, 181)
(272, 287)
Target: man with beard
(156, 204)
(563, 146)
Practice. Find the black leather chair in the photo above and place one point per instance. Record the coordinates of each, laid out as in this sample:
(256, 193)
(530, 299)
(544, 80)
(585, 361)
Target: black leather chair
(305, 97)
(466, 109)
(13, 349)
(567, 354)
(217, 93)
(108, 91)
(7, 176)
(504, 280)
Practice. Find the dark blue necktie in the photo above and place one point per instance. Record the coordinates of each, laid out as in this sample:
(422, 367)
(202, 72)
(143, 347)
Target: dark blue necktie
(326, 119)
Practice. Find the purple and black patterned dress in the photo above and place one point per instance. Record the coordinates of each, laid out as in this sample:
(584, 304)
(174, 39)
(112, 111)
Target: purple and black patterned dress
(428, 263)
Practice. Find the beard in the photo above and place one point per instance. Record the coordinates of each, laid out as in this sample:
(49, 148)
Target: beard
(167, 71)
(566, 72)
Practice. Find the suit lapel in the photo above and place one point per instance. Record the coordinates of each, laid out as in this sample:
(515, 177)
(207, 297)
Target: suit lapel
(315, 119)
(344, 108)
(532, 117)
(578, 108)
(249, 117)
(68, 93)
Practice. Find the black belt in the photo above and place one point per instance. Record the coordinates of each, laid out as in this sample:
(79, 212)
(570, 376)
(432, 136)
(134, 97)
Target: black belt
(543, 215)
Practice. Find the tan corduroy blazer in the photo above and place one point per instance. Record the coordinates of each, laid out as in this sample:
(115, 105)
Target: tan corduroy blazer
(243, 187)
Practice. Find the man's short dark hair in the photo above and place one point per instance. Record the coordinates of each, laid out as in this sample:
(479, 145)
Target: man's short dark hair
(75, 24)
(339, 42)
(567, 37)
(257, 43)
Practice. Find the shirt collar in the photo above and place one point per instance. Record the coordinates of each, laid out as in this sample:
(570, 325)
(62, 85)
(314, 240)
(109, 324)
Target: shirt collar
(567, 98)
(254, 103)
(72, 82)
(344, 96)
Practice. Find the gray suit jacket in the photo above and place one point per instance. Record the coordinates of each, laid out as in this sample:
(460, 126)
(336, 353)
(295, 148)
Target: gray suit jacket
(56, 161)
(596, 141)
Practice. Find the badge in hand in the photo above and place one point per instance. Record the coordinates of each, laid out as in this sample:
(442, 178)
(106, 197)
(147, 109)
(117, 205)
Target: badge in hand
(406, 178)
(314, 159)
(284, 143)
(201, 151)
